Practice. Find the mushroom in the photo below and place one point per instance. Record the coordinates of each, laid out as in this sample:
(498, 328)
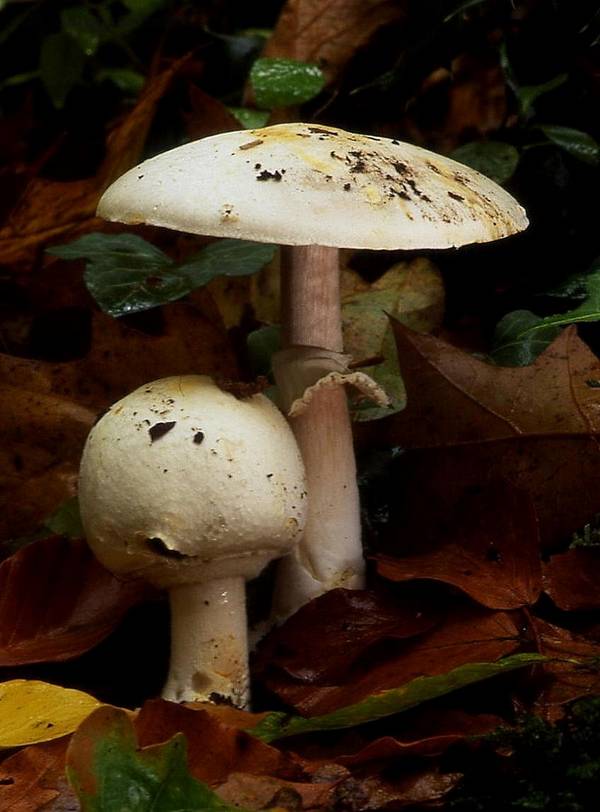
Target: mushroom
(315, 189)
(194, 490)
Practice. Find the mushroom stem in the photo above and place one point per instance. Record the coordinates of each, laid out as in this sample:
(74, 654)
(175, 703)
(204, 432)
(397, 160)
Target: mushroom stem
(330, 552)
(209, 646)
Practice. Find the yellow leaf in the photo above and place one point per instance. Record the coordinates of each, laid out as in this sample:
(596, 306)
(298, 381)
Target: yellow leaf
(32, 711)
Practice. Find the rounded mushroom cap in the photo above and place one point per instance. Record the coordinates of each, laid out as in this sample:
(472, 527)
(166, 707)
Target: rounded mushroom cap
(299, 184)
(182, 482)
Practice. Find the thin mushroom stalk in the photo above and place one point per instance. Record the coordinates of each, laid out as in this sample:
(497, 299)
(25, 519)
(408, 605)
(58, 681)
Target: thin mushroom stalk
(330, 554)
(315, 188)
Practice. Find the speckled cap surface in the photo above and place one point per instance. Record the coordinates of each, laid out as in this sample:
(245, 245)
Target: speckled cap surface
(181, 482)
(303, 184)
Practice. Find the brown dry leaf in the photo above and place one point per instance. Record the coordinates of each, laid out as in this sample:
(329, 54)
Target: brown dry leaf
(73, 603)
(422, 788)
(34, 779)
(230, 750)
(490, 550)
(208, 116)
(424, 731)
(461, 103)
(469, 424)
(329, 32)
(48, 408)
(574, 675)
(468, 634)
(49, 210)
(572, 579)
(265, 792)
(351, 622)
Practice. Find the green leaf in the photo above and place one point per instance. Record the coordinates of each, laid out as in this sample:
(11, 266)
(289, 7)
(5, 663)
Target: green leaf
(61, 66)
(388, 375)
(495, 159)
(249, 118)
(577, 143)
(109, 773)
(126, 274)
(529, 94)
(520, 337)
(261, 344)
(139, 12)
(285, 82)
(83, 27)
(127, 80)
(66, 520)
(422, 689)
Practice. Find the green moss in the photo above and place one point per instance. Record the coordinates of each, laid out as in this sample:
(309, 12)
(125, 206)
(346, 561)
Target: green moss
(537, 766)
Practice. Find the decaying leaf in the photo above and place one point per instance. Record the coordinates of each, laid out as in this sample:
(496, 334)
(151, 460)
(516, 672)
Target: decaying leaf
(329, 33)
(56, 602)
(49, 210)
(572, 579)
(490, 550)
(34, 779)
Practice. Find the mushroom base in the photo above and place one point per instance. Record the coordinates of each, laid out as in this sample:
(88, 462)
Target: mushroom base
(209, 646)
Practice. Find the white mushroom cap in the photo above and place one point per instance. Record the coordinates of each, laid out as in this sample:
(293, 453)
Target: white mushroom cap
(302, 184)
(182, 482)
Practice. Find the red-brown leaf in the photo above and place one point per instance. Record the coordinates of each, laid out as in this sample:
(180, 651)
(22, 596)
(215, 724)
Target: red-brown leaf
(56, 602)
(34, 779)
(490, 551)
(469, 634)
(572, 579)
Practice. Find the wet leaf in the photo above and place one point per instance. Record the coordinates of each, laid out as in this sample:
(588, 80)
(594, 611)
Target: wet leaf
(469, 423)
(495, 159)
(520, 337)
(51, 210)
(491, 551)
(467, 634)
(61, 66)
(422, 689)
(126, 274)
(284, 82)
(329, 35)
(58, 602)
(572, 579)
(33, 711)
(579, 144)
(105, 766)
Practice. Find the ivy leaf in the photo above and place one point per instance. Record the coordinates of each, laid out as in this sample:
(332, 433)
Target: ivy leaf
(529, 94)
(126, 274)
(422, 689)
(285, 82)
(519, 338)
(81, 25)
(579, 144)
(261, 345)
(127, 80)
(61, 66)
(109, 773)
(495, 159)
(249, 118)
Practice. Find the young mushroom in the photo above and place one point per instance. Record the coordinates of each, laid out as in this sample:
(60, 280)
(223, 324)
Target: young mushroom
(194, 490)
(315, 189)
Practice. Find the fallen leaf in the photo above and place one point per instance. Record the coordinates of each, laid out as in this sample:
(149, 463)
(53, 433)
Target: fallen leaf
(34, 777)
(48, 408)
(105, 765)
(574, 673)
(50, 210)
(388, 702)
(231, 749)
(469, 424)
(572, 579)
(56, 602)
(352, 622)
(490, 550)
(420, 788)
(329, 33)
(265, 792)
(32, 711)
